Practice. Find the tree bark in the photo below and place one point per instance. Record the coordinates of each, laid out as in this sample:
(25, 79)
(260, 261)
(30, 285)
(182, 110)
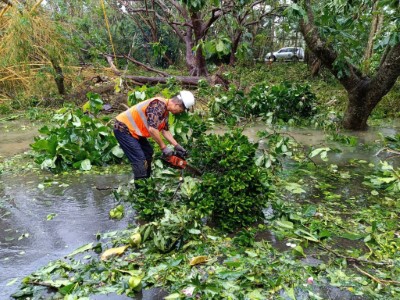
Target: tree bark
(235, 45)
(199, 68)
(58, 77)
(313, 62)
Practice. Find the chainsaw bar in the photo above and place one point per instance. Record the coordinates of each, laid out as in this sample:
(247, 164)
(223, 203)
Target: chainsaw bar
(193, 170)
(176, 161)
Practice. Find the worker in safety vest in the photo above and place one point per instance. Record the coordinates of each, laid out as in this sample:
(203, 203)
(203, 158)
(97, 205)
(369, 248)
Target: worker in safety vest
(148, 119)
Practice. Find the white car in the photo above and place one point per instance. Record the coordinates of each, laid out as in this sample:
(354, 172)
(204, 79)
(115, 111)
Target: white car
(288, 53)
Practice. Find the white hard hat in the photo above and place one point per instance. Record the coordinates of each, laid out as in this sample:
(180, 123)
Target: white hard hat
(187, 98)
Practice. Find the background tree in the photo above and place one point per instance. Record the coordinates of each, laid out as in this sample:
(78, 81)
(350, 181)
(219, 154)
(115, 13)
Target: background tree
(246, 16)
(32, 46)
(189, 20)
(335, 33)
(156, 41)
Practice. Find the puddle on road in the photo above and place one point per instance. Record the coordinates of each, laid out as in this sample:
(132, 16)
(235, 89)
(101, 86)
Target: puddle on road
(15, 137)
(76, 210)
(368, 142)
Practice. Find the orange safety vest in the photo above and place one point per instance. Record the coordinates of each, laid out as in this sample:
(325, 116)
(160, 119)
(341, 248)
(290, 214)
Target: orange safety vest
(136, 120)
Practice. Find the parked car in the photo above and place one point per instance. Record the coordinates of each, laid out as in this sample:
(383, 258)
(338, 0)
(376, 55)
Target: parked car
(288, 53)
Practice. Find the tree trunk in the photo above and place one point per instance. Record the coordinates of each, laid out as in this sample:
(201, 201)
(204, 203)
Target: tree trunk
(359, 107)
(235, 45)
(313, 62)
(189, 55)
(58, 77)
(200, 67)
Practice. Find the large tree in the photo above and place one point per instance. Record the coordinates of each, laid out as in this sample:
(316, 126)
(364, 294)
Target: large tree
(338, 33)
(189, 20)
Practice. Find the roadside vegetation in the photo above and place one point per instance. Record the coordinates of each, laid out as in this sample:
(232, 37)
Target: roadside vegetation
(264, 218)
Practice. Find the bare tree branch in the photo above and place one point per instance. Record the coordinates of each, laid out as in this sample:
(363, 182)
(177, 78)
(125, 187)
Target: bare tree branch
(110, 61)
(145, 67)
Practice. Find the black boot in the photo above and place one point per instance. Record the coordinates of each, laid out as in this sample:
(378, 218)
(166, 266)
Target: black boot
(148, 167)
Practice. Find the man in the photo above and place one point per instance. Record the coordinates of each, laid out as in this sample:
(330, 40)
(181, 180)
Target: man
(149, 119)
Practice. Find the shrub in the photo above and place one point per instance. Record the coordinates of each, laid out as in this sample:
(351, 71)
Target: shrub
(76, 140)
(284, 102)
(233, 190)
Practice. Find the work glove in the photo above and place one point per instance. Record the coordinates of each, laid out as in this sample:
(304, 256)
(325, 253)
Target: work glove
(181, 150)
(167, 151)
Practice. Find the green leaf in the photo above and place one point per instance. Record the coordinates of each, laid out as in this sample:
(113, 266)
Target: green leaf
(11, 282)
(230, 275)
(318, 151)
(255, 295)
(117, 151)
(298, 250)
(310, 210)
(290, 293)
(51, 216)
(86, 165)
(48, 163)
(306, 235)
(173, 296)
(76, 121)
(67, 289)
(220, 46)
(81, 249)
(352, 236)
(284, 224)
(294, 188)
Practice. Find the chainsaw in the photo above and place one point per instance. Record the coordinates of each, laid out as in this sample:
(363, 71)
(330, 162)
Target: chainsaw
(178, 161)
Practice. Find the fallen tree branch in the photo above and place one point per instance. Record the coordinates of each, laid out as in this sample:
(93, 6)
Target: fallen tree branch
(378, 280)
(387, 150)
(42, 284)
(187, 80)
(9, 118)
(145, 67)
(111, 63)
(353, 259)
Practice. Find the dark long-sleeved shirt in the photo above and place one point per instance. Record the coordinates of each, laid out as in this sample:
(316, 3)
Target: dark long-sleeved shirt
(155, 114)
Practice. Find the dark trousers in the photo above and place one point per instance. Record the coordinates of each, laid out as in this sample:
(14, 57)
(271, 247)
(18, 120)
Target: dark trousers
(139, 152)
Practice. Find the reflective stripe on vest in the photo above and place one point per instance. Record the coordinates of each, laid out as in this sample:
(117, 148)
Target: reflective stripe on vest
(138, 107)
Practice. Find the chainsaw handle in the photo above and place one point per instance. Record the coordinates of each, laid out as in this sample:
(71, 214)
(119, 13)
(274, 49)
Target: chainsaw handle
(181, 154)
